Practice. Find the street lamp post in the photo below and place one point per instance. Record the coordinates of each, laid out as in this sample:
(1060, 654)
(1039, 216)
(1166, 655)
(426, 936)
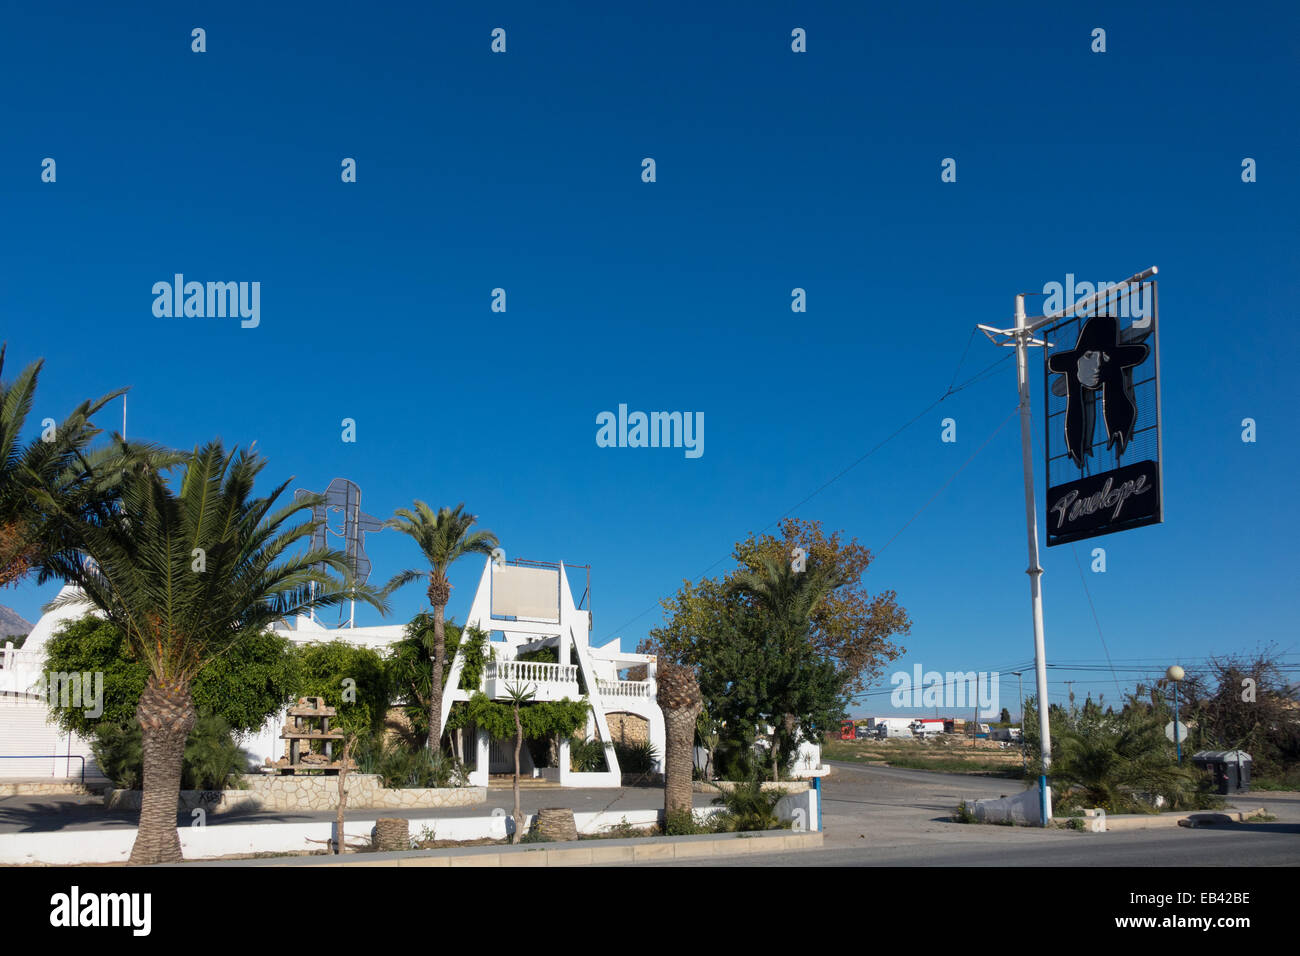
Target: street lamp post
(1175, 675)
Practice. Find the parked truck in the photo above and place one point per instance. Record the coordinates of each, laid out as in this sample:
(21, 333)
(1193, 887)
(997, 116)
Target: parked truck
(887, 731)
(927, 727)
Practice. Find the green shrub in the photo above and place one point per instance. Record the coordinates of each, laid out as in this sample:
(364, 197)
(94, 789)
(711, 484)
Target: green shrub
(636, 757)
(400, 767)
(747, 806)
(683, 823)
(737, 760)
(118, 751)
(586, 756)
(212, 755)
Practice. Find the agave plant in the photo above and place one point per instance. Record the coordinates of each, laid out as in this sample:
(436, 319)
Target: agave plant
(183, 576)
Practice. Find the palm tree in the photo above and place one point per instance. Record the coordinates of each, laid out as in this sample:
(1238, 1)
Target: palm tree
(182, 576)
(680, 700)
(52, 463)
(788, 599)
(518, 696)
(444, 538)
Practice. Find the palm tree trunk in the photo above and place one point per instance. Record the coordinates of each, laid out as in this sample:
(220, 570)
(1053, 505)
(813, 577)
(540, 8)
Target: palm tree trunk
(435, 692)
(679, 729)
(519, 739)
(166, 714)
(678, 696)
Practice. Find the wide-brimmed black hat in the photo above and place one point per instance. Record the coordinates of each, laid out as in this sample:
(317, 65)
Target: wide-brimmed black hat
(1099, 334)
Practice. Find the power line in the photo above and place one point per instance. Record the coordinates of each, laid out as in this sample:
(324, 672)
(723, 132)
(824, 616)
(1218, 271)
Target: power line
(951, 390)
(950, 480)
(1095, 618)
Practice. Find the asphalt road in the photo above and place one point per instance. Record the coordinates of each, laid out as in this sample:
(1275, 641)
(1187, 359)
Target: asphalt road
(872, 815)
(881, 816)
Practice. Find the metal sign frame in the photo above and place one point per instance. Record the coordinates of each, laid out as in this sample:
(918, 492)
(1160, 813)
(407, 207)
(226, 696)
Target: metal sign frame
(1108, 499)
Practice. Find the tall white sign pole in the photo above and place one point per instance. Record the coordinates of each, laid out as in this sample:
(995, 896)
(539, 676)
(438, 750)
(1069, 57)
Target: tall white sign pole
(1023, 336)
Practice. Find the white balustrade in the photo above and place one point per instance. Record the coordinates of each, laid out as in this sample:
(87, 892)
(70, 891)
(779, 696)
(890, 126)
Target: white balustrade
(623, 688)
(528, 672)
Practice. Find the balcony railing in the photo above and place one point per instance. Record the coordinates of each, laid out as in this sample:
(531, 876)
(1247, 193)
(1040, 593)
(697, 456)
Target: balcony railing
(530, 672)
(623, 688)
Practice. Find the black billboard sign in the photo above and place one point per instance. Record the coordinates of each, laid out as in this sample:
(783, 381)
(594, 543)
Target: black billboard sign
(1102, 369)
(1125, 498)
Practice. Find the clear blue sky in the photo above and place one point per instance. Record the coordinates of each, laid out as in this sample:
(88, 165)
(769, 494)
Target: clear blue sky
(775, 170)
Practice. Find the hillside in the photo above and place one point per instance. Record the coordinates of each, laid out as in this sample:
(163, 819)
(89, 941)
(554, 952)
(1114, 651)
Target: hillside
(12, 623)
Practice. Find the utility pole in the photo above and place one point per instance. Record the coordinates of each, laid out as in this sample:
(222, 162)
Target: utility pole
(1024, 755)
(1024, 337)
(1021, 337)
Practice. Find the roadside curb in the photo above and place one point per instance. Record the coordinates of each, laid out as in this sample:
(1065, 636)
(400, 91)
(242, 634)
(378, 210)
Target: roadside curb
(596, 852)
(1153, 821)
(1217, 818)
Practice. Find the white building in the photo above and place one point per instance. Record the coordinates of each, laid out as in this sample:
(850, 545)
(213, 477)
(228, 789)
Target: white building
(524, 606)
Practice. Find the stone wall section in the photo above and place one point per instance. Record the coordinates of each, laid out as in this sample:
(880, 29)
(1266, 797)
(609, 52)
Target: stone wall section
(298, 792)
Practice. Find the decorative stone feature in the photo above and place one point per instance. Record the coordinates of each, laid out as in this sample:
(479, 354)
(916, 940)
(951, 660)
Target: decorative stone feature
(364, 790)
(557, 824)
(392, 833)
(309, 723)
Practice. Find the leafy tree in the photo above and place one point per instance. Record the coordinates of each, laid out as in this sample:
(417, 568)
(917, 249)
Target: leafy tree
(1005, 716)
(245, 687)
(1252, 708)
(777, 643)
(444, 538)
(797, 688)
(186, 576)
(849, 625)
(340, 672)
